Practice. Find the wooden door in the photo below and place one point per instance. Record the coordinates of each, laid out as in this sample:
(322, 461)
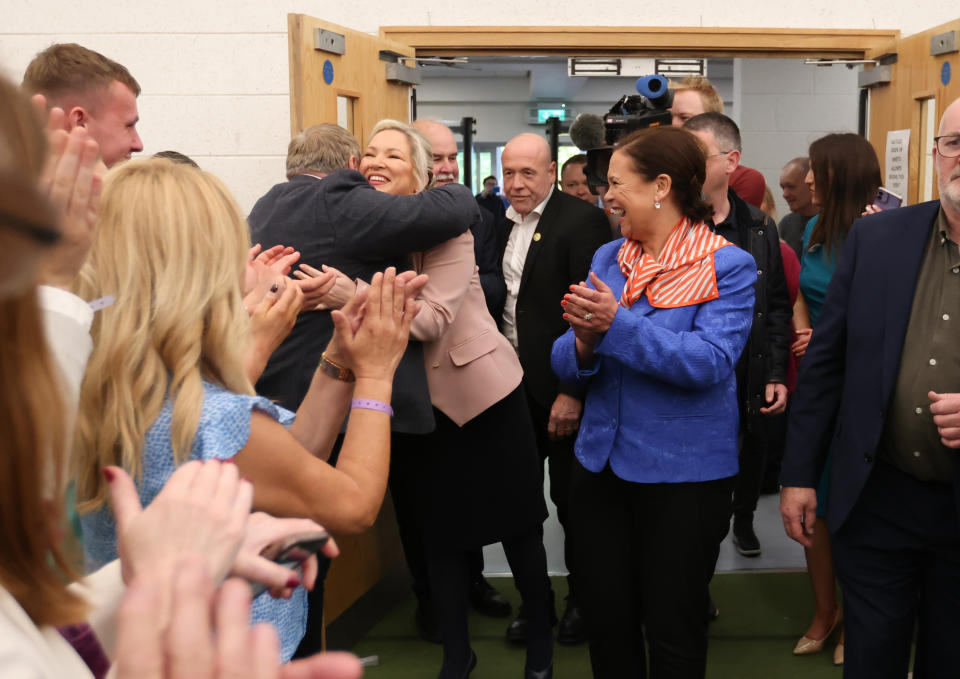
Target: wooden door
(921, 87)
(351, 89)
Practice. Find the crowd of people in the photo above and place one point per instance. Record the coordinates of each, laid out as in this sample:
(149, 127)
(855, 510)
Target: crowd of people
(194, 387)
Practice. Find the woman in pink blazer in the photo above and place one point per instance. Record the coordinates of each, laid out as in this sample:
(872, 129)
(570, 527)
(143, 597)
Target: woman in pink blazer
(474, 480)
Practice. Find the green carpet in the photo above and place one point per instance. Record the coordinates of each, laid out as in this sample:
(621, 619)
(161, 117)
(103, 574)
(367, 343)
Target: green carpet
(761, 617)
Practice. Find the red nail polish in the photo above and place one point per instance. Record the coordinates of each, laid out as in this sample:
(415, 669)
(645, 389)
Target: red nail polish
(108, 474)
(293, 582)
(563, 302)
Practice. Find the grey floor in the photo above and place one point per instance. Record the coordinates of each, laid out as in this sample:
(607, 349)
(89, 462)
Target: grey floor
(778, 551)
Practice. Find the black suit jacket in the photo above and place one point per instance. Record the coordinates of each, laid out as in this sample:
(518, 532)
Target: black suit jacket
(850, 369)
(485, 244)
(344, 222)
(570, 231)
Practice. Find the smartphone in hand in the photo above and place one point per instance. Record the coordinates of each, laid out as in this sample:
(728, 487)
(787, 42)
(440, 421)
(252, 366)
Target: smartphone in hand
(291, 552)
(886, 200)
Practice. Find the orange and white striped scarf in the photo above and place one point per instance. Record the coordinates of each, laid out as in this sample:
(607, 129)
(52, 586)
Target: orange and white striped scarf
(685, 273)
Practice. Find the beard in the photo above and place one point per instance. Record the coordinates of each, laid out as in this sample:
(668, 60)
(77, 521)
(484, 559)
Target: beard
(950, 189)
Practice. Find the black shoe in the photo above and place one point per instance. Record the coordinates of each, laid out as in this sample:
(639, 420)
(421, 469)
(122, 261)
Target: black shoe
(712, 611)
(517, 630)
(538, 674)
(572, 629)
(426, 621)
(470, 666)
(487, 600)
(744, 539)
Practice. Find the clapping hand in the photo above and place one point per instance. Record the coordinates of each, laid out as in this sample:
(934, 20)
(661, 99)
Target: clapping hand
(72, 180)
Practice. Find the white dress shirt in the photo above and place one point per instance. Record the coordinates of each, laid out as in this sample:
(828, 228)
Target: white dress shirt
(514, 255)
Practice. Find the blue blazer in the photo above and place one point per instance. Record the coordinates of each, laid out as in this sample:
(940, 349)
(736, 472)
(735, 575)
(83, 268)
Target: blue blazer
(850, 370)
(661, 404)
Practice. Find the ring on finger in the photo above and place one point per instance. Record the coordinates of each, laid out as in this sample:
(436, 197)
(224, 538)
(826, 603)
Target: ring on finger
(587, 316)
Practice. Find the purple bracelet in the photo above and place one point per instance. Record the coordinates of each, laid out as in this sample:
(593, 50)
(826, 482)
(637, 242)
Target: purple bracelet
(370, 404)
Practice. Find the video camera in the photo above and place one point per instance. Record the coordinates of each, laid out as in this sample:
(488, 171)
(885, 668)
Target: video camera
(597, 136)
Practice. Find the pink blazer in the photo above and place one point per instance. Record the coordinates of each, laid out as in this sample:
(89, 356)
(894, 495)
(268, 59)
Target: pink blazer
(470, 365)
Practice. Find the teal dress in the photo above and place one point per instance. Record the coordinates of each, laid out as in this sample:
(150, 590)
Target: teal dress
(816, 270)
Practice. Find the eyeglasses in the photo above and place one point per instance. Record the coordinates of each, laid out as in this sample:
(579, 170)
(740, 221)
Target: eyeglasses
(721, 153)
(948, 145)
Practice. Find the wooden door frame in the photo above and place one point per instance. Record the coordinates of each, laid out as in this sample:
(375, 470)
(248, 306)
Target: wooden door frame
(641, 41)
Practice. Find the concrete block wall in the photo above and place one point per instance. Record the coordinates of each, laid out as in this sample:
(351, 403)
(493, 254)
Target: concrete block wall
(784, 105)
(215, 74)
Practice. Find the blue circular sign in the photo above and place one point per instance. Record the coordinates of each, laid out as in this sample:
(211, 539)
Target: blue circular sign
(945, 73)
(328, 72)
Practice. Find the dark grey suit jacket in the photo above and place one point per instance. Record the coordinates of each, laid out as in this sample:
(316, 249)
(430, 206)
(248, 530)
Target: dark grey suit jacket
(344, 222)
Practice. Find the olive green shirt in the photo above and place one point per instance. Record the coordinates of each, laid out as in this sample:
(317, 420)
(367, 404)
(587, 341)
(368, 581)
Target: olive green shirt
(930, 362)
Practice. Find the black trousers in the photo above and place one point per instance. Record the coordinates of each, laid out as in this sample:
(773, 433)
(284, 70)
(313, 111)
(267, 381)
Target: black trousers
(897, 558)
(561, 457)
(753, 450)
(402, 485)
(645, 554)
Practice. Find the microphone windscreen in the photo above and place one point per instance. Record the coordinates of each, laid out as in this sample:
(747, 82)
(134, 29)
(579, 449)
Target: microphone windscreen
(587, 131)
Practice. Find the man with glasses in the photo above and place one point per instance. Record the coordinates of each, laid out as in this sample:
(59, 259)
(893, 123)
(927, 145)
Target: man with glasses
(762, 369)
(878, 388)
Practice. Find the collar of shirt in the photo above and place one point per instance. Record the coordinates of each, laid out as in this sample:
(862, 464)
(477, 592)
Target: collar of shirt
(515, 217)
(953, 259)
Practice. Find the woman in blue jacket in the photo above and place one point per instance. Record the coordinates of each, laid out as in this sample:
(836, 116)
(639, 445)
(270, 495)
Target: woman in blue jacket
(654, 339)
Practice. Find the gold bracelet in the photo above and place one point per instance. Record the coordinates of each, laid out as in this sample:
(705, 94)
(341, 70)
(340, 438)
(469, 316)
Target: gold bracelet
(337, 372)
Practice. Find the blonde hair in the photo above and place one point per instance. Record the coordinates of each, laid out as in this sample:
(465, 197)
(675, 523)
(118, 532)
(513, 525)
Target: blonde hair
(421, 152)
(170, 247)
(712, 101)
(33, 566)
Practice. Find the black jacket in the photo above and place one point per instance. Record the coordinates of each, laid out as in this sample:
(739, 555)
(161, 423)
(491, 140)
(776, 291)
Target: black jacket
(485, 250)
(765, 358)
(344, 222)
(570, 231)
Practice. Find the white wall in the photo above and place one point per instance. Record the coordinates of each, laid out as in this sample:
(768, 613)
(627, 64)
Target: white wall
(784, 105)
(215, 77)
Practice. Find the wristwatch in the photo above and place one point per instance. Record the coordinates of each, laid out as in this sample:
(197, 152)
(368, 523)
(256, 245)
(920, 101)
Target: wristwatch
(337, 372)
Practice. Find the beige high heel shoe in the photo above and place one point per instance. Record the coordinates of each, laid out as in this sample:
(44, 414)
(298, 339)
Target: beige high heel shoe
(808, 646)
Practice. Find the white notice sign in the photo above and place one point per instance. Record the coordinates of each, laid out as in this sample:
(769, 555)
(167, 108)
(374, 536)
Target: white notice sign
(898, 162)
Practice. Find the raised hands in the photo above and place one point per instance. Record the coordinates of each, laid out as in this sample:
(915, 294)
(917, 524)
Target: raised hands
(327, 289)
(372, 329)
(271, 321)
(209, 636)
(264, 270)
(72, 180)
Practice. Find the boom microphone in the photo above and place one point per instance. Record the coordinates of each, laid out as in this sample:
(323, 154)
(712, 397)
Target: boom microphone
(586, 131)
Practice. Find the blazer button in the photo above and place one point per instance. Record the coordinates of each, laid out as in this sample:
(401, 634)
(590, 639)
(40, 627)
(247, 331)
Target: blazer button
(868, 458)
(436, 364)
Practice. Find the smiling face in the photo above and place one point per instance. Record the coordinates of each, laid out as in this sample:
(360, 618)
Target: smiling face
(630, 195)
(386, 163)
(113, 124)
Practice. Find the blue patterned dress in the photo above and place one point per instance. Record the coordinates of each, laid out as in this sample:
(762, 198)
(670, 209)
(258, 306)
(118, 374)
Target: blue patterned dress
(223, 430)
